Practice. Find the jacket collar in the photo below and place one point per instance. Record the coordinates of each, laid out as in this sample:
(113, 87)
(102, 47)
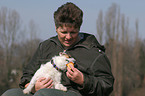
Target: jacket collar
(56, 40)
(86, 40)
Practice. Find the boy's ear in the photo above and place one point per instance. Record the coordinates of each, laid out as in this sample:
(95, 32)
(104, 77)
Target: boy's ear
(56, 28)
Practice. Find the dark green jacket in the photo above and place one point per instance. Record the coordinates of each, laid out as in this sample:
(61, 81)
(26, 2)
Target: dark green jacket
(90, 60)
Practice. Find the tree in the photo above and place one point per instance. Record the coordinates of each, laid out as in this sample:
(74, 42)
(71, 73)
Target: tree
(100, 27)
(9, 28)
(15, 49)
(9, 25)
(123, 54)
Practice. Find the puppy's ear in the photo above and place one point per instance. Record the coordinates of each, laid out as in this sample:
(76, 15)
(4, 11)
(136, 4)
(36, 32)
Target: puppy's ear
(67, 56)
(64, 54)
(60, 53)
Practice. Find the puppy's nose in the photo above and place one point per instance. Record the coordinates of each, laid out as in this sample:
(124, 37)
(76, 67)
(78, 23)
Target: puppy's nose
(67, 56)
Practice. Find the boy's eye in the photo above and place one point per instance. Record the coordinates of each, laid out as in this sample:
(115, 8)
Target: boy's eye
(64, 32)
(72, 32)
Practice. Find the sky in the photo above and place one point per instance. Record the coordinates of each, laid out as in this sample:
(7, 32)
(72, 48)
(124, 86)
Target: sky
(41, 12)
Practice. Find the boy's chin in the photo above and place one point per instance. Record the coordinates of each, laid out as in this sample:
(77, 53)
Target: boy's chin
(67, 46)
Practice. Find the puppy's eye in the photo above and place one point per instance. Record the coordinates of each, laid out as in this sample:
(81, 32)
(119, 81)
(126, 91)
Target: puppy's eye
(67, 61)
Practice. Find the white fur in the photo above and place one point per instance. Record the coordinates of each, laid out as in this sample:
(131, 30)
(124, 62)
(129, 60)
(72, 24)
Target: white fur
(48, 71)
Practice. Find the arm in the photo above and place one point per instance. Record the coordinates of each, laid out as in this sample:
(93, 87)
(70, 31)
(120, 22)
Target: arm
(100, 82)
(75, 75)
(41, 83)
(31, 68)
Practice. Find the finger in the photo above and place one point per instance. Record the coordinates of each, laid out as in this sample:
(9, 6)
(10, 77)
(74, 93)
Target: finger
(41, 79)
(69, 75)
(72, 68)
(48, 83)
(70, 71)
(77, 70)
(51, 86)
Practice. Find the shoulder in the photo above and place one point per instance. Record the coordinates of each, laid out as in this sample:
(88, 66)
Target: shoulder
(86, 35)
(49, 41)
(91, 41)
(48, 48)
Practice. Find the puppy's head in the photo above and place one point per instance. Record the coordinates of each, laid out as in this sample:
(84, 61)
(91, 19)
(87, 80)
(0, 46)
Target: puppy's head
(64, 54)
(62, 60)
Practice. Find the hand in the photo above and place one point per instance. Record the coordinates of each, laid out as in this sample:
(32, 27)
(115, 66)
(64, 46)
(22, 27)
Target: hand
(43, 83)
(75, 75)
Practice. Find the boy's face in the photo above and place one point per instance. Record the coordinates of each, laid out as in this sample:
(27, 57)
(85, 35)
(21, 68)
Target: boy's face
(67, 35)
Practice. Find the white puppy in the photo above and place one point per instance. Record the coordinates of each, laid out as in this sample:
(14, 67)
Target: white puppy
(53, 70)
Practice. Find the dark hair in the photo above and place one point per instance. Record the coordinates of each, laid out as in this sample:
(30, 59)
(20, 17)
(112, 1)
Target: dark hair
(68, 14)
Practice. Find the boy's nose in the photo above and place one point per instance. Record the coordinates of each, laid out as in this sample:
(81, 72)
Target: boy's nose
(68, 36)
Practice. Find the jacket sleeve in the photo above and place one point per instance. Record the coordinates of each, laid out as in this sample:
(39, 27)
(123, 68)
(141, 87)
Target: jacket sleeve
(31, 68)
(100, 82)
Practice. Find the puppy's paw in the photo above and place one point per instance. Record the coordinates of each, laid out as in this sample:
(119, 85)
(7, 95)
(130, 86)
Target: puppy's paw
(64, 88)
(26, 91)
(60, 87)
